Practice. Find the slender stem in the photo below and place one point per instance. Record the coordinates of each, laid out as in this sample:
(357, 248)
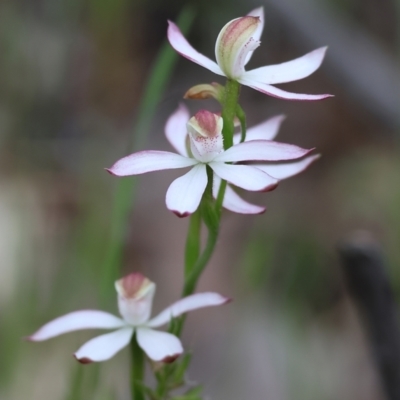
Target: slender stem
(242, 118)
(137, 372)
(192, 249)
(191, 281)
(232, 89)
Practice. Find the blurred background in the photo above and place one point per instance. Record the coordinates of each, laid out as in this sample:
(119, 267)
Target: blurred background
(73, 73)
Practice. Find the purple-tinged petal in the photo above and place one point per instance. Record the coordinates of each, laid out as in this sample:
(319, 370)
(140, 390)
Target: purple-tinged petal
(103, 347)
(148, 161)
(287, 170)
(75, 321)
(267, 130)
(184, 194)
(245, 176)
(189, 303)
(181, 45)
(175, 129)
(288, 71)
(159, 346)
(261, 150)
(233, 202)
(279, 93)
(234, 43)
(258, 12)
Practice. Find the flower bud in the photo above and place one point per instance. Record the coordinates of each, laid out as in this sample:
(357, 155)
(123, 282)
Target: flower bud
(205, 91)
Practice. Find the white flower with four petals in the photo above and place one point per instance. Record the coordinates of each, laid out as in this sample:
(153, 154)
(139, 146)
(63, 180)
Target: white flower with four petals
(135, 298)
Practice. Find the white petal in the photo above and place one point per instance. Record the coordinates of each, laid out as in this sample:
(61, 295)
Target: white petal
(261, 150)
(287, 170)
(233, 202)
(175, 129)
(245, 176)
(159, 346)
(189, 303)
(258, 12)
(181, 45)
(289, 71)
(103, 347)
(75, 321)
(279, 93)
(267, 130)
(184, 194)
(148, 161)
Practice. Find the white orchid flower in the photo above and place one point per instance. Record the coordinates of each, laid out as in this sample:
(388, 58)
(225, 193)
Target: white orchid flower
(233, 50)
(204, 133)
(135, 297)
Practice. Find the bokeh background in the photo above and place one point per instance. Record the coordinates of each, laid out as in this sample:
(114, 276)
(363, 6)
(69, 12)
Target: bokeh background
(73, 73)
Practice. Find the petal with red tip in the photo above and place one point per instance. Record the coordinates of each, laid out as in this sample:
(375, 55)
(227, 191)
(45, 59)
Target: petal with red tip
(279, 93)
(184, 194)
(159, 346)
(103, 347)
(181, 45)
(148, 161)
(75, 321)
(189, 303)
(287, 170)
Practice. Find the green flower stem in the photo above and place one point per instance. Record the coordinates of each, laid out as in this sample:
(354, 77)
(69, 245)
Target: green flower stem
(242, 118)
(192, 249)
(137, 372)
(231, 96)
(124, 196)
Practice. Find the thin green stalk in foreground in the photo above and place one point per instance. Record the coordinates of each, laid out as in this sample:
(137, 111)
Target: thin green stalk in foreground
(137, 370)
(124, 195)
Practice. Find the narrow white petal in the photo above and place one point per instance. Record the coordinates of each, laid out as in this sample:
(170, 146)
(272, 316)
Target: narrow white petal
(258, 12)
(289, 71)
(75, 321)
(267, 130)
(184, 194)
(175, 129)
(279, 93)
(148, 161)
(103, 347)
(245, 176)
(189, 303)
(233, 202)
(159, 346)
(261, 150)
(181, 45)
(287, 170)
